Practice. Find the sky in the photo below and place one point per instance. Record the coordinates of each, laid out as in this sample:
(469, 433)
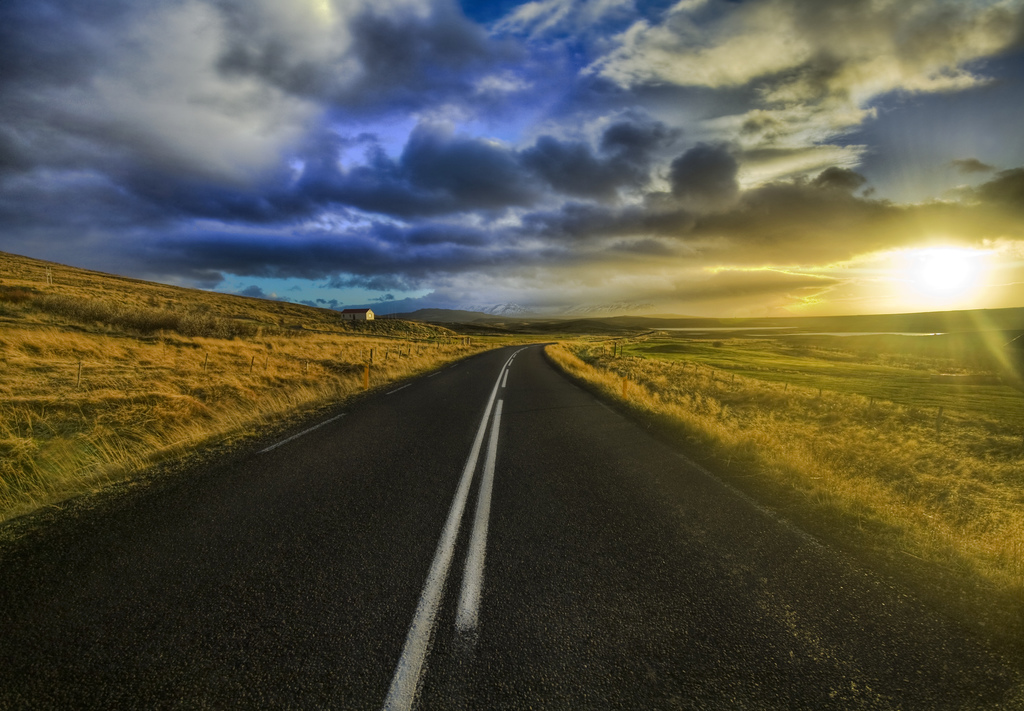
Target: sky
(705, 157)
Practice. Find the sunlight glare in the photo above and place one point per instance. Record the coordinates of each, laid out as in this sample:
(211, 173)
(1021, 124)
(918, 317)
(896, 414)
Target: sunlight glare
(944, 273)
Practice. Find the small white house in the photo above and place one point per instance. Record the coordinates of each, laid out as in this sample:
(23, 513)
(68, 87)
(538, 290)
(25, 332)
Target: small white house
(357, 315)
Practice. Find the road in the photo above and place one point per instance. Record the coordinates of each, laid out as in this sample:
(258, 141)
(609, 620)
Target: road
(355, 564)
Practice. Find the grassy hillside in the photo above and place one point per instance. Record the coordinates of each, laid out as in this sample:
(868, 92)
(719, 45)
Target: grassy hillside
(101, 376)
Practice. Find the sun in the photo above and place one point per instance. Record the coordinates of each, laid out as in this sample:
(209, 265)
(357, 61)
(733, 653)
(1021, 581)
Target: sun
(943, 274)
(944, 271)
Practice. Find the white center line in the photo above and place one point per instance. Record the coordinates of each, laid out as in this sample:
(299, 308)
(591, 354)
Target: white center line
(472, 579)
(504, 381)
(404, 684)
(296, 436)
(397, 389)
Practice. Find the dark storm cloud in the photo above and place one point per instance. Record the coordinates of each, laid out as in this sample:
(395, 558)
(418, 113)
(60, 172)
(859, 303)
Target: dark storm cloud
(274, 256)
(49, 50)
(65, 203)
(627, 149)
(644, 247)
(438, 172)
(473, 172)
(839, 179)
(971, 165)
(405, 57)
(704, 177)
(46, 42)
(1005, 190)
(636, 138)
(571, 168)
(13, 154)
(381, 256)
(435, 234)
(581, 222)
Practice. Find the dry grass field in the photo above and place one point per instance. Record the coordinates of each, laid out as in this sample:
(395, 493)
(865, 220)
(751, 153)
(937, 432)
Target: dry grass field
(102, 376)
(884, 475)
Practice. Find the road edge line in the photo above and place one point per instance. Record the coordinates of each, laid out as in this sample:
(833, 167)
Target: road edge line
(304, 432)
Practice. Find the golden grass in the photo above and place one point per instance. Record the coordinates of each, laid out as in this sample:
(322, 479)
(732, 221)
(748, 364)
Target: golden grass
(88, 400)
(875, 473)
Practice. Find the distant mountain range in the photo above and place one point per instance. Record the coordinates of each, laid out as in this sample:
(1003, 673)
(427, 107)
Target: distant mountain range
(506, 315)
(513, 310)
(507, 309)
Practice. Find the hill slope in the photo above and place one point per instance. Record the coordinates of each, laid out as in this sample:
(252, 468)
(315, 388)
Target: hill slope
(142, 307)
(101, 375)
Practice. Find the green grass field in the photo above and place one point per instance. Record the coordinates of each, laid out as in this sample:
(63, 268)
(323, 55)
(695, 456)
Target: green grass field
(897, 369)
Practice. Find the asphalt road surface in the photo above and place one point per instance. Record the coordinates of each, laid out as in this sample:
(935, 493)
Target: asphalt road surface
(487, 537)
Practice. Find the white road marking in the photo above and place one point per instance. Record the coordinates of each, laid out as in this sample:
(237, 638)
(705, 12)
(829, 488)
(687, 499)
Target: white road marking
(404, 684)
(504, 381)
(472, 579)
(397, 389)
(304, 432)
(433, 374)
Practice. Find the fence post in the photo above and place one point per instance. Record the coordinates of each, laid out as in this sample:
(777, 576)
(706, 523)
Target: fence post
(938, 422)
(366, 377)
(251, 364)
(205, 361)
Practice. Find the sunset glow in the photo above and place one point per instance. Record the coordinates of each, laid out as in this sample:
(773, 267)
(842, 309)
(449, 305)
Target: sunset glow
(946, 274)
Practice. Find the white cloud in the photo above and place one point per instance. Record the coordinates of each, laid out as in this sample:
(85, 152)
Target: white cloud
(166, 98)
(505, 83)
(827, 60)
(543, 16)
(759, 167)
